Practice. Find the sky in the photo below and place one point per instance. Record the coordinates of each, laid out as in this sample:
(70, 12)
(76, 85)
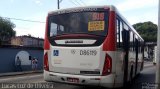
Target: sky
(134, 11)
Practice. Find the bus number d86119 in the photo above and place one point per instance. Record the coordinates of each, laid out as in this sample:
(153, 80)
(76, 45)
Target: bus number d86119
(88, 52)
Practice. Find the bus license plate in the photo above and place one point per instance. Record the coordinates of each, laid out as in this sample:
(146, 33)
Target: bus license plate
(73, 80)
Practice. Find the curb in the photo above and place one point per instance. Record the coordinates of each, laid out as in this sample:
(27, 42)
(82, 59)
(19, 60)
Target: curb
(148, 64)
(20, 73)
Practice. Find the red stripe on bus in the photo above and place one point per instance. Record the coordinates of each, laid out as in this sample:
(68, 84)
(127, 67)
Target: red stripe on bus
(46, 41)
(110, 41)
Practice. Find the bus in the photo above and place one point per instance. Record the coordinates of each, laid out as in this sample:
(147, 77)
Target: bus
(91, 45)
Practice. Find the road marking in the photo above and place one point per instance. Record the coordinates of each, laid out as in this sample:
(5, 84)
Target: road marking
(16, 78)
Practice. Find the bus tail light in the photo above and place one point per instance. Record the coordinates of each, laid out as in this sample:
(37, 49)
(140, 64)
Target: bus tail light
(46, 65)
(107, 68)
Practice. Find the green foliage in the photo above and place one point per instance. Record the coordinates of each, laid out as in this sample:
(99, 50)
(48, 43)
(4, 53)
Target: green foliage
(147, 30)
(6, 30)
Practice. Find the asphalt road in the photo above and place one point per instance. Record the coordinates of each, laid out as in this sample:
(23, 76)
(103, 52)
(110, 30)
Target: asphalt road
(145, 80)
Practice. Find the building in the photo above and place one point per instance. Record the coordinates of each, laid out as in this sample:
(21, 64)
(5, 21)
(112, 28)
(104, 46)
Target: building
(27, 41)
(149, 50)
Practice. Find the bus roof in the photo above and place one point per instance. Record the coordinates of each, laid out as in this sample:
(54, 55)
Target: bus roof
(84, 7)
(131, 27)
(91, 8)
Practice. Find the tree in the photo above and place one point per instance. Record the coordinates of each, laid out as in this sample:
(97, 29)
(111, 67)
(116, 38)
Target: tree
(6, 31)
(147, 30)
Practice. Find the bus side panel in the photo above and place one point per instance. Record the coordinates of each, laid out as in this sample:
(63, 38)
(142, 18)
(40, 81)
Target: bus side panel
(140, 61)
(110, 42)
(46, 73)
(119, 70)
(131, 65)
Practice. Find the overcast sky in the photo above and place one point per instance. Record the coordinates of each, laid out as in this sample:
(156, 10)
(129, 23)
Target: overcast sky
(133, 10)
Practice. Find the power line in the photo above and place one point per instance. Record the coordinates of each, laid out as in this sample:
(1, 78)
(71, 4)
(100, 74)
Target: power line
(24, 20)
(78, 2)
(73, 2)
(83, 2)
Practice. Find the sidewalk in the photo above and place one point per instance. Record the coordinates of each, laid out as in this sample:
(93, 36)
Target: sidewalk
(20, 73)
(148, 64)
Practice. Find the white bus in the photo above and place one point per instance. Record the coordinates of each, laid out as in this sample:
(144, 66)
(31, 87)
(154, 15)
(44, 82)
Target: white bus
(91, 45)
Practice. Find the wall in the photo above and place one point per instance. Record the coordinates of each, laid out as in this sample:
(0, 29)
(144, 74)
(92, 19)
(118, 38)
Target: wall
(8, 54)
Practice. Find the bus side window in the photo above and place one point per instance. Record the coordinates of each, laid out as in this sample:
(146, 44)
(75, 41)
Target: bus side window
(121, 29)
(142, 47)
(119, 33)
(134, 42)
(126, 32)
(139, 46)
(131, 41)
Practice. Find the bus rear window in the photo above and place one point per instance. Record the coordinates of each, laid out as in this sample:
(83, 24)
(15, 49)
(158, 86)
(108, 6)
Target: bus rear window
(95, 23)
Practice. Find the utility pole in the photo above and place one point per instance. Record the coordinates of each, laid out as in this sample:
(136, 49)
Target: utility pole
(58, 3)
(158, 52)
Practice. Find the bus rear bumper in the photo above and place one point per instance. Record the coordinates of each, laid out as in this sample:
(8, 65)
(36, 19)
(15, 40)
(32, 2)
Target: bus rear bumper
(104, 81)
